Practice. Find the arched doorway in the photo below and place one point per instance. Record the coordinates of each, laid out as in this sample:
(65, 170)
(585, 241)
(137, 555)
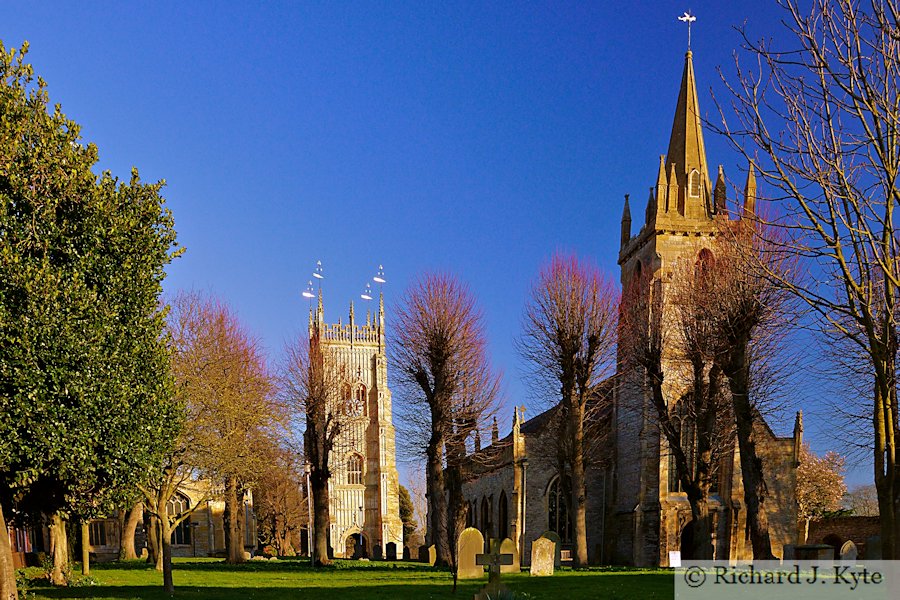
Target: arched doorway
(687, 541)
(836, 542)
(356, 546)
(503, 517)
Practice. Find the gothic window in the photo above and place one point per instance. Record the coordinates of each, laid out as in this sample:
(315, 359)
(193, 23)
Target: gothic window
(558, 505)
(688, 435)
(503, 517)
(354, 469)
(97, 533)
(486, 525)
(694, 181)
(181, 535)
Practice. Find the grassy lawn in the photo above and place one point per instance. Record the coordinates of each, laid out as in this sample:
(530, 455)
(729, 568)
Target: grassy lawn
(211, 578)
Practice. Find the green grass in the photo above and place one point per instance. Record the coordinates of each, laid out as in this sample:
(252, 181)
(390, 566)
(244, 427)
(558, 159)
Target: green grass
(349, 580)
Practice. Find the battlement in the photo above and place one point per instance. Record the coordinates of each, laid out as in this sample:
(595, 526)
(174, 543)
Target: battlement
(350, 334)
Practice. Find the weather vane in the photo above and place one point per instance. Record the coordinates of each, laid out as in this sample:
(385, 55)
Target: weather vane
(688, 18)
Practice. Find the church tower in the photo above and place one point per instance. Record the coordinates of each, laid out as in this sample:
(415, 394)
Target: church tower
(364, 486)
(683, 209)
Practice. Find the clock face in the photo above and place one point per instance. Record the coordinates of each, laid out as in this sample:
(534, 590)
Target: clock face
(356, 403)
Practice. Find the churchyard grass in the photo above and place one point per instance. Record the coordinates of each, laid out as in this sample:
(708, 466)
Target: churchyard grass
(349, 580)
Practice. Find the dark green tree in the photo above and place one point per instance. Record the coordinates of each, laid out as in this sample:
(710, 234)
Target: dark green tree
(406, 514)
(85, 388)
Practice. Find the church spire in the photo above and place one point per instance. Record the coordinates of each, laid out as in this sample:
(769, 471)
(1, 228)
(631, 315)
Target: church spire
(719, 195)
(626, 222)
(686, 149)
(750, 191)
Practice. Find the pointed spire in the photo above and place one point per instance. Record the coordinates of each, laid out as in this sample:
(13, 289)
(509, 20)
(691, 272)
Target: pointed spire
(626, 222)
(672, 192)
(351, 312)
(686, 149)
(368, 318)
(477, 441)
(719, 200)
(651, 208)
(495, 432)
(750, 191)
(320, 310)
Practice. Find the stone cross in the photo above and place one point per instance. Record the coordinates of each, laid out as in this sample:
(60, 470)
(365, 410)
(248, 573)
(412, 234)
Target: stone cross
(494, 560)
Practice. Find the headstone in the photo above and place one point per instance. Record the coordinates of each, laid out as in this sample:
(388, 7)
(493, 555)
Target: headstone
(849, 552)
(543, 551)
(789, 552)
(376, 552)
(873, 548)
(470, 543)
(422, 554)
(405, 552)
(554, 537)
(814, 552)
(246, 555)
(432, 555)
(674, 558)
(494, 561)
(390, 551)
(509, 547)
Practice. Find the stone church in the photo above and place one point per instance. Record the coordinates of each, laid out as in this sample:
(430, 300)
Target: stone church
(364, 487)
(636, 513)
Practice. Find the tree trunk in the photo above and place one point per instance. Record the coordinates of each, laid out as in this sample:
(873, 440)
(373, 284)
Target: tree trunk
(579, 494)
(755, 491)
(135, 516)
(234, 540)
(7, 571)
(886, 483)
(59, 546)
(85, 547)
(165, 536)
(456, 517)
(436, 531)
(321, 517)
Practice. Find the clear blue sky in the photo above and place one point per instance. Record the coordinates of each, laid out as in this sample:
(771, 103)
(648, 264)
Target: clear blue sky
(471, 137)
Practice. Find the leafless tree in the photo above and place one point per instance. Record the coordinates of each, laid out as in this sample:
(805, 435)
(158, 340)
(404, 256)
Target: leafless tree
(862, 501)
(439, 353)
(311, 381)
(818, 114)
(569, 339)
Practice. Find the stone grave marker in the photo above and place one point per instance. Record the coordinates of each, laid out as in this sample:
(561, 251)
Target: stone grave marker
(507, 546)
(470, 543)
(406, 553)
(543, 551)
(432, 555)
(849, 552)
(873, 547)
(495, 561)
(376, 552)
(554, 537)
(390, 551)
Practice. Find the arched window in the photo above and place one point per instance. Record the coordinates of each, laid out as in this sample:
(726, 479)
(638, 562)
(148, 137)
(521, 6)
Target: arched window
(694, 181)
(486, 525)
(178, 504)
(354, 469)
(503, 517)
(688, 434)
(558, 505)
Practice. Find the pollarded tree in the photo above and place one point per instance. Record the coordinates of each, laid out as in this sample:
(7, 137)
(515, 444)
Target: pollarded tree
(85, 392)
(569, 339)
(439, 353)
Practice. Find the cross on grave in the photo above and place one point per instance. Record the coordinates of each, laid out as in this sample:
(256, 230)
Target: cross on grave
(494, 560)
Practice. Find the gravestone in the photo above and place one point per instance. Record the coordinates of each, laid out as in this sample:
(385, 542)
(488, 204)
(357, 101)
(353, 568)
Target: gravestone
(849, 552)
(470, 543)
(495, 562)
(814, 552)
(543, 551)
(405, 552)
(873, 548)
(789, 552)
(508, 546)
(376, 552)
(432, 555)
(390, 551)
(422, 554)
(554, 537)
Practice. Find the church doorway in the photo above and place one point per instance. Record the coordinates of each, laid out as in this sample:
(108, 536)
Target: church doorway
(356, 546)
(687, 541)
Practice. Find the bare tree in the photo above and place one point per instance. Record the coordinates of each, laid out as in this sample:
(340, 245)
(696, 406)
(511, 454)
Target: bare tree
(863, 501)
(310, 384)
(440, 356)
(569, 339)
(819, 119)
(279, 505)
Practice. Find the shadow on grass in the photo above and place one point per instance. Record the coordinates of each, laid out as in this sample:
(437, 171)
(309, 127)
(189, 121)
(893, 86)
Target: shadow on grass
(261, 566)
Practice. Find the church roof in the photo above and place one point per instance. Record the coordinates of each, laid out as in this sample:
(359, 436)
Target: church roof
(686, 148)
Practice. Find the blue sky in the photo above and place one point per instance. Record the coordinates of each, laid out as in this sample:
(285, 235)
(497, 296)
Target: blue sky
(471, 137)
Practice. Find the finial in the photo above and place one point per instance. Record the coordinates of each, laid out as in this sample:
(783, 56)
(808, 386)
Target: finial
(320, 309)
(688, 18)
(719, 193)
(477, 441)
(661, 176)
(381, 305)
(495, 432)
(750, 191)
(351, 312)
